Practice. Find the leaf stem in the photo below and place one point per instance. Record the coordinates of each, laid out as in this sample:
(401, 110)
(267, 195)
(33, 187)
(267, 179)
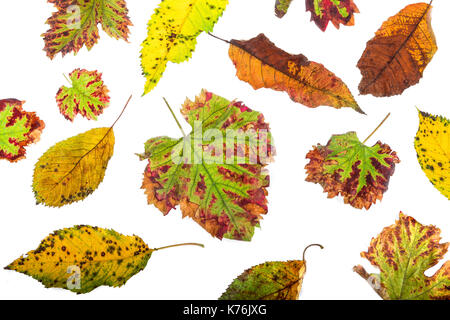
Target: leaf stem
(209, 33)
(376, 129)
(68, 80)
(306, 249)
(175, 117)
(379, 289)
(180, 245)
(123, 110)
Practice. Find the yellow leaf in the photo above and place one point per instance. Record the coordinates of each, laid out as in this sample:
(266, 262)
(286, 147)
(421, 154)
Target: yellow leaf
(72, 169)
(433, 150)
(172, 34)
(83, 258)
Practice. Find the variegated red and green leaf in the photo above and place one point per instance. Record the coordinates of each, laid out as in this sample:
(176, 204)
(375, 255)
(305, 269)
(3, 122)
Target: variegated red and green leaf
(282, 7)
(18, 129)
(88, 95)
(336, 11)
(403, 253)
(347, 167)
(224, 193)
(75, 24)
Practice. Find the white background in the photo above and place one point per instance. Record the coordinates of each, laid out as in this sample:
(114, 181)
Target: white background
(299, 213)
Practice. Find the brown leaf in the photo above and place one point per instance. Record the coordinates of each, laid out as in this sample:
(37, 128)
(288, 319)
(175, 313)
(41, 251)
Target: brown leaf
(260, 63)
(396, 57)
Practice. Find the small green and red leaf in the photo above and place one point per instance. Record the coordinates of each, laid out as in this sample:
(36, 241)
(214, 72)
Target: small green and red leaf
(336, 11)
(282, 7)
(347, 167)
(18, 129)
(88, 95)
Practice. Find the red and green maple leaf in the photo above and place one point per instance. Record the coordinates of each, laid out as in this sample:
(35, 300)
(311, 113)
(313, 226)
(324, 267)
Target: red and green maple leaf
(403, 253)
(221, 185)
(88, 95)
(75, 24)
(18, 129)
(336, 11)
(348, 167)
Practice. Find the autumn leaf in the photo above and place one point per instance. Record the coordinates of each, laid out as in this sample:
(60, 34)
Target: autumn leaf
(172, 34)
(18, 129)
(336, 11)
(73, 169)
(432, 145)
(87, 96)
(83, 258)
(260, 63)
(75, 24)
(220, 184)
(397, 56)
(269, 281)
(347, 167)
(282, 7)
(403, 252)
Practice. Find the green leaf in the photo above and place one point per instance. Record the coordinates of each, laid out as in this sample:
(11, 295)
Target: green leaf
(347, 151)
(88, 95)
(18, 129)
(74, 25)
(348, 167)
(222, 189)
(268, 281)
(172, 34)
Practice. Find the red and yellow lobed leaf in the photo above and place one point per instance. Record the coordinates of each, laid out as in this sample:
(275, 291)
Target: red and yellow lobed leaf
(403, 252)
(18, 129)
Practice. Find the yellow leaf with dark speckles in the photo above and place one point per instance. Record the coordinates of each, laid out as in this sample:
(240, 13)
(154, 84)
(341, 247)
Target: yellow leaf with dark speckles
(83, 258)
(73, 169)
(433, 150)
(172, 34)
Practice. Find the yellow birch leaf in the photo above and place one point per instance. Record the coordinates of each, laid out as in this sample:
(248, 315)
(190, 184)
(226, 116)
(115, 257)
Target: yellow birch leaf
(432, 145)
(73, 169)
(83, 258)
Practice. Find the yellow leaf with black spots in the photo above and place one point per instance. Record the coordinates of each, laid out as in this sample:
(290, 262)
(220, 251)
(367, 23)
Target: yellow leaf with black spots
(83, 258)
(172, 34)
(433, 150)
(73, 169)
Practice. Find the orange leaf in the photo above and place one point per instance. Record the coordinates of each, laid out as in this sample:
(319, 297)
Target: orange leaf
(396, 57)
(260, 63)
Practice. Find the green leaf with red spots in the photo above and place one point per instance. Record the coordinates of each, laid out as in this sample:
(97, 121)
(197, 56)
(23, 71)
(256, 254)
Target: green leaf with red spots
(83, 258)
(403, 252)
(88, 95)
(18, 129)
(216, 177)
(336, 11)
(75, 24)
(348, 167)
